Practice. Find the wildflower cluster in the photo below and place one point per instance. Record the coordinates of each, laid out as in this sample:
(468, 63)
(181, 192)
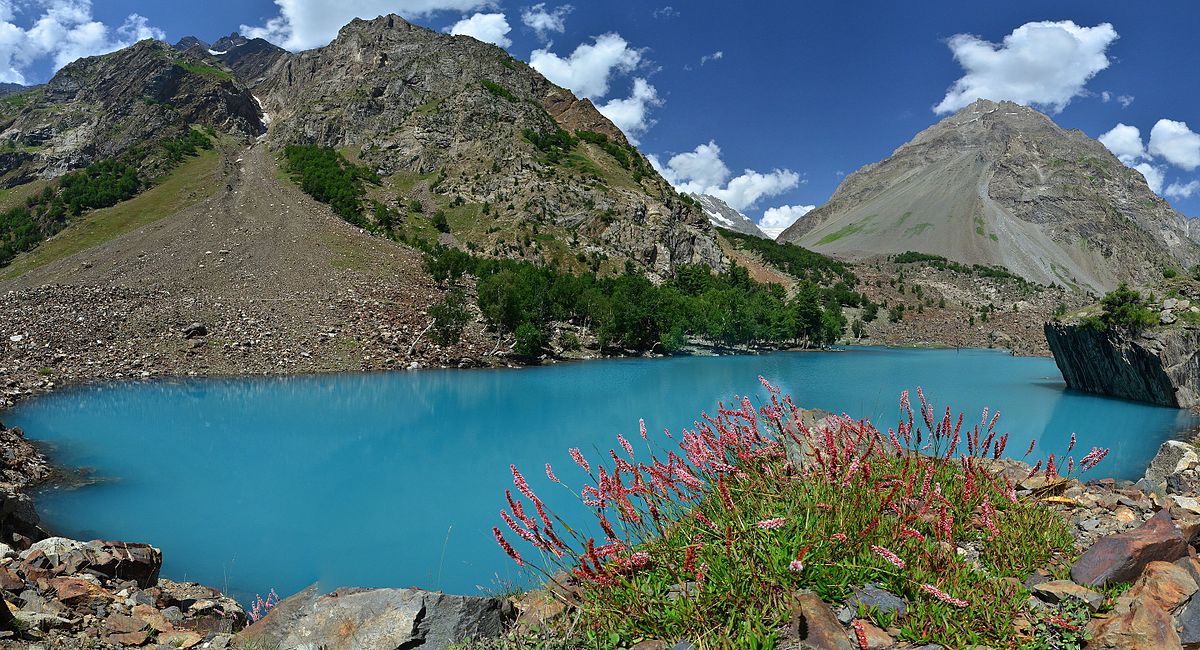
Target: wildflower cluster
(261, 606)
(712, 536)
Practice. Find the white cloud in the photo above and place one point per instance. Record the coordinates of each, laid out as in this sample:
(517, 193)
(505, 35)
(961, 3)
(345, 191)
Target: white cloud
(776, 220)
(63, 32)
(1125, 142)
(590, 67)
(1178, 190)
(665, 12)
(632, 114)
(1042, 63)
(715, 56)
(544, 22)
(701, 171)
(305, 24)
(1125, 100)
(1154, 176)
(489, 28)
(1176, 143)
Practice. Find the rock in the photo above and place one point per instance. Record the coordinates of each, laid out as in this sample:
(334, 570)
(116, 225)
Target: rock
(816, 625)
(123, 624)
(1167, 584)
(183, 639)
(1172, 458)
(1169, 303)
(1167, 317)
(1153, 367)
(1122, 557)
(1189, 623)
(379, 618)
(1134, 625)
(74, 592)
(871, 596)
(128, 638)
(1057, 591)
(194, 331)
(877, 639)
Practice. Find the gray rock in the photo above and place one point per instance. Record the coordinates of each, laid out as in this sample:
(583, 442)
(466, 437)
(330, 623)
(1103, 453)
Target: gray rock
(1166, 317)
(1189, 623)
(1157, 366)
(379, 618)
(871, 596)
(1172, 458)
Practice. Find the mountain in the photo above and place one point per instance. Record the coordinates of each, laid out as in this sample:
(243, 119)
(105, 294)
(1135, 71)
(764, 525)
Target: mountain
(99, 108)
(521, 167)
(1001, 184)
(723, 216)
(188, 42)
(7, 89)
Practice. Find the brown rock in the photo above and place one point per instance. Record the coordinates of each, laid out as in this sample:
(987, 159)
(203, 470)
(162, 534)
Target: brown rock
(538, 607)
(124, 561)
(128, 638)
(816, 625)
(10, 582)
(183, 639)
(877, 639)
(1122, 557)
(1169, 585)
(124, 624)
(1057, 591)
(153, 618)
(74, 592)
(1134, 625)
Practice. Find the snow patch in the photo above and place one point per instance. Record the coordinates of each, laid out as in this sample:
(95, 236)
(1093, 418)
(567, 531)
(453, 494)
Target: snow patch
(216, 53)
(266, 117)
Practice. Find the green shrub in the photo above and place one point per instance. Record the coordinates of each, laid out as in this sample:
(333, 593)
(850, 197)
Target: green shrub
(1124, 309)
(328, 177)
(530, 341)
(450, 317)
(498, 90)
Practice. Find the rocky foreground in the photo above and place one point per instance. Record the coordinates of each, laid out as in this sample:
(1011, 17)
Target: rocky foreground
(62, 593)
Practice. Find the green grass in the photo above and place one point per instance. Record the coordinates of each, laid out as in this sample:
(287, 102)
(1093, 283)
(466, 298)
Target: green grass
(845, 231)
(918, 230)
(205, 70)
(430, 107)
(193, 181)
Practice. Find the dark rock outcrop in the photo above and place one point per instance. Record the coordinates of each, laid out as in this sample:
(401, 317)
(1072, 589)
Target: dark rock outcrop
(1122, 557)
(1159, 366)
(379, 618)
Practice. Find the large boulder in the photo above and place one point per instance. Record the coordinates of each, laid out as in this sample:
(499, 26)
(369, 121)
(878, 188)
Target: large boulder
(139, 563)
(379, 618)
(816, 626)
(1134, 625)
(1123, 557)
(1172, 458)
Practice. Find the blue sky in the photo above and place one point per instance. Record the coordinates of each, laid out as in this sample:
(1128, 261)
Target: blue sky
(801, 92)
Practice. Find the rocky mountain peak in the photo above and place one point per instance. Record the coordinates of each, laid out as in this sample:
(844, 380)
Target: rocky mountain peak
(227, 43)
(998, 183)
(723, 216)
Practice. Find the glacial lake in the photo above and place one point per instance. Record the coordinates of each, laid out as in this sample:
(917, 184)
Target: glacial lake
(397, 479)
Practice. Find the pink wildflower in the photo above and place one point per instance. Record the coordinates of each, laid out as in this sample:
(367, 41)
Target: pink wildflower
(577, 456)
(860, 634)
(891, 557)
(522, 486)
(796, 566)
(838, 537)
(512, 552)
(625, 444)
(642, 428)
(943, 596)
(550, 474)
(771, 524)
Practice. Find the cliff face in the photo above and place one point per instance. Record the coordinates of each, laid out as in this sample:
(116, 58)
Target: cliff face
(1160, 367)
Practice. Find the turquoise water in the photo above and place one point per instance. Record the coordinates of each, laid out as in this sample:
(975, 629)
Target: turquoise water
(397, 479)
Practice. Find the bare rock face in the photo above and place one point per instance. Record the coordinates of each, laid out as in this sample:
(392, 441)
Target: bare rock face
(1123, 557)
(1159, 366)
(379, 618)
(1001, 184)
(451, 116)
(100, 107)
(723, 216)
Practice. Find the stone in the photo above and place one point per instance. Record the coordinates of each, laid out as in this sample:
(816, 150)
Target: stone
(1170, 303)
(1167, 584)
(195, 330)
(1058, 591)
(182, 639)
(54, 549)
(379, 618)
(816, 625)
(1190, 504)
(123, 624)
(1123, 556)
(152, 617)
(871, 596)
(75, 592)
(10, 582)
(125, 561)
(1189, 623)
(1172, 457)
(877, 639)
(1134, 625)
(1167, 317)
(128, 638)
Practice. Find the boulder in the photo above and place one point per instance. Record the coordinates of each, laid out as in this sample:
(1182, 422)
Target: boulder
(816, 626)
(1122, 557)
(1134, 625)
(1057, 591)
(1172, 458)
(1167, 584)
(871, 596)
(1189, 623)
(379, 618)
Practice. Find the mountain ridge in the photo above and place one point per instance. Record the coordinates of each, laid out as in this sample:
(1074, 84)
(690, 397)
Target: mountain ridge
(1001, 184)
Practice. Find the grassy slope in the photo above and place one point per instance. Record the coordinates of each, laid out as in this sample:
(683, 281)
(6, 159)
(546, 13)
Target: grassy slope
(194, 181)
